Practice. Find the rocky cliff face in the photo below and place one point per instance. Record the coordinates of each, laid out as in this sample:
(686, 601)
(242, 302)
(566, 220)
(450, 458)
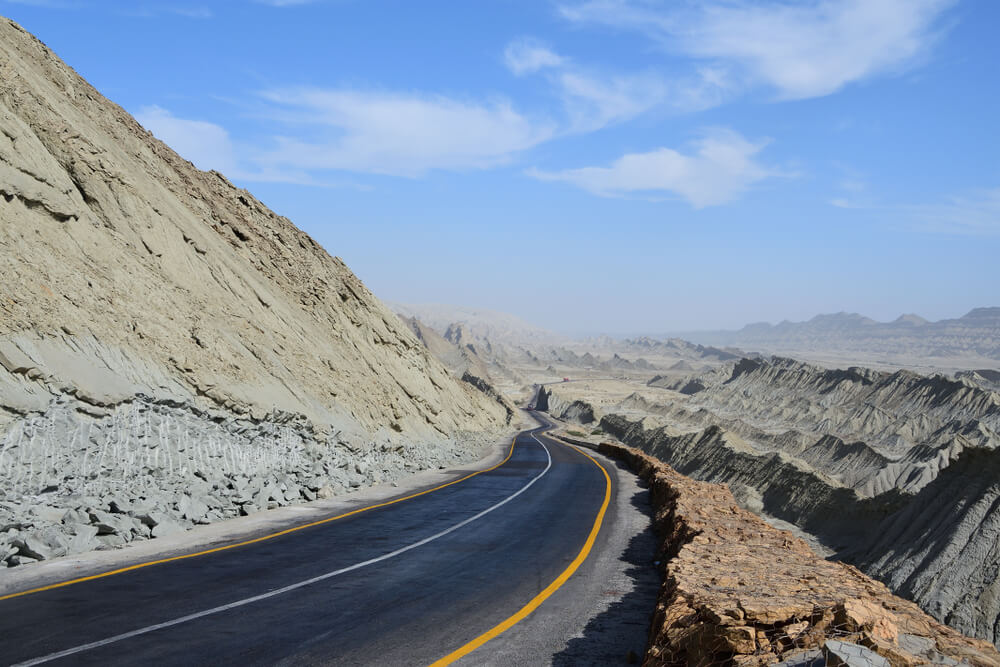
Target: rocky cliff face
(737, 591)
(896, 472)
(170, 344)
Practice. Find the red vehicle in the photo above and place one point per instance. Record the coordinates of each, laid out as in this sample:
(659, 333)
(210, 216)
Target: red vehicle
(565, 379)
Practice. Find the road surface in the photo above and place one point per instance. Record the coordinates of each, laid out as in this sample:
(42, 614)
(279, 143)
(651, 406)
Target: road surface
(541, 559)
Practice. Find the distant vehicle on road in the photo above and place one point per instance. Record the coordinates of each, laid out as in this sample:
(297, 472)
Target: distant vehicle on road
(565, 379)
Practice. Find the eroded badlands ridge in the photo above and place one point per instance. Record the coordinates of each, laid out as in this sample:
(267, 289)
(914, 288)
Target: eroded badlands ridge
(896, 472)
(171, 351)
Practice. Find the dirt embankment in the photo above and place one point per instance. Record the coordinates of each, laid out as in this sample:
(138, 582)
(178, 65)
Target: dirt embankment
(739, 591)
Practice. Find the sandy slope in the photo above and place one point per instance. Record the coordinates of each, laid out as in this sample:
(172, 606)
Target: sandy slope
(157, 322)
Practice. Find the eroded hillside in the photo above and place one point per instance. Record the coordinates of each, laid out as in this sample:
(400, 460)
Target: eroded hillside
(172, 351)
(896, 472)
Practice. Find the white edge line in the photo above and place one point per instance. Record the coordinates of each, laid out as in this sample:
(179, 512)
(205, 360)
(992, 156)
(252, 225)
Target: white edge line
(291, 587)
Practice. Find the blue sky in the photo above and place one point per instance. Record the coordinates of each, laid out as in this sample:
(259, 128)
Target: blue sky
(615, 166)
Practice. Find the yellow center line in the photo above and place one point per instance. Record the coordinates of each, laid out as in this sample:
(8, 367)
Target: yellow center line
(255, 540)
(534, 603)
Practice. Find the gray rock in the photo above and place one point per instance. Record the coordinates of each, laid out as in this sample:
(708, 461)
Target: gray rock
(154, 518)
(246, 509)
(843, 654)
(48, 514)
(118, 505)
(20, 559)
(167, 527)
(75, 516)
(111, 524)
(111, 541)
(193, 509)
(42, 544)
(84, 538)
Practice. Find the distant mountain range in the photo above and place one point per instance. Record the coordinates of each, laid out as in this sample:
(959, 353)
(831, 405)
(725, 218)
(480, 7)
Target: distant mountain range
(974, 335)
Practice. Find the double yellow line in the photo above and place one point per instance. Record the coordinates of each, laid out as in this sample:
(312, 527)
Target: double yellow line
(524, 611)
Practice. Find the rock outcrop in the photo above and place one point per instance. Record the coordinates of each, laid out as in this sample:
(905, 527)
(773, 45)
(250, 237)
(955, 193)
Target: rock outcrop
(894, 472)
(171, 351)
(738, 591)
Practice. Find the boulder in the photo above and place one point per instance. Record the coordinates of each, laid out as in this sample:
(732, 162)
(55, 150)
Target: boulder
(48, 514)
(110, 524)
(193, 509)
(111, 541)
(42, 544)
(167, 526)
(843, 654)
(84, 538)
(119, 505)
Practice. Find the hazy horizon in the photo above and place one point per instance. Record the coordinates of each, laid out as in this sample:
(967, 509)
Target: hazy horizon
(611, 165)
(596, 332)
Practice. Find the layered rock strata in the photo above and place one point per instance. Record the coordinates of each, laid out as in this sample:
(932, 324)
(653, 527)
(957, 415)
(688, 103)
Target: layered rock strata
(895, 472)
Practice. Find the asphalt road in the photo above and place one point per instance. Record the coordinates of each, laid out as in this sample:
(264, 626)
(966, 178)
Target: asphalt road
(405, 584)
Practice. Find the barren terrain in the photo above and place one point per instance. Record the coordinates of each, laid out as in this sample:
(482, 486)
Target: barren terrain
(172, 352)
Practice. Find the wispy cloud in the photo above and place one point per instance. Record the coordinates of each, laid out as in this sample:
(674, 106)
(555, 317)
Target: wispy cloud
(721, 166)
(802, 50)
(592, 98)
(594, 101)
(973, 214)
(205, 144)
(191, 12)
(209, 146)
(524, 56)
(401, 133)
(359, 131)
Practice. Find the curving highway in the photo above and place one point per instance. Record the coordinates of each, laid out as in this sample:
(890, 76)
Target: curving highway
(508, 565)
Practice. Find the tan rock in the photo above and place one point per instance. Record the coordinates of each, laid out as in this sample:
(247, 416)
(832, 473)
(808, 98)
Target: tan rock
(811, 600)
(867, 617)
(110, 235)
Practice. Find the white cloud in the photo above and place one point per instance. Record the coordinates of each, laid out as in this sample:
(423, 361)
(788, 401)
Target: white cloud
(400, 133)
(191, 12)
(524, 56)
(593, 99)
(805, 49)
(721, 167)
(208, 146)
(205, 144)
